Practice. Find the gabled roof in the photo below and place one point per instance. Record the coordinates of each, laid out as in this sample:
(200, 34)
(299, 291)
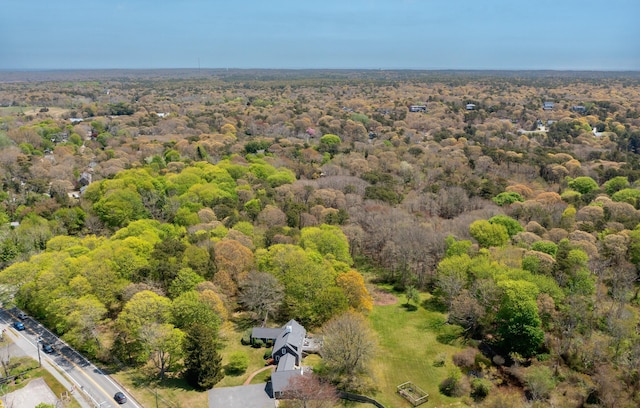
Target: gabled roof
(280, 379)
(287, 362)
(265, 333)
(292, 335)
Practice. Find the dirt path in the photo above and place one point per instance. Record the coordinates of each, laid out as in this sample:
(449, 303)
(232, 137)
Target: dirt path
(253, 374)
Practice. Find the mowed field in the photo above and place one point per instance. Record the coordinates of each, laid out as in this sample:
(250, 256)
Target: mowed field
(31, 110)
(410, 340)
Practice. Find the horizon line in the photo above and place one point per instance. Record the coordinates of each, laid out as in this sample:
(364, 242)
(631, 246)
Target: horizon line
(324, 69)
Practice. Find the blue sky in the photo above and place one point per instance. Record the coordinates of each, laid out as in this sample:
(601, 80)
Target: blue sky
(371, 34)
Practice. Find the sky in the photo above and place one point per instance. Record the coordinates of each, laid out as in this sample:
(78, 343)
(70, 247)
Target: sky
(321, 34)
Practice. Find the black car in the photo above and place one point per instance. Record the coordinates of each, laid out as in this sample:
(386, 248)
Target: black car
(47, 348)
(120, 397)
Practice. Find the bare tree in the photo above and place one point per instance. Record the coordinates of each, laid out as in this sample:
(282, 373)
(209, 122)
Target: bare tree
(262, 294)
(307, 391)
(348, 344)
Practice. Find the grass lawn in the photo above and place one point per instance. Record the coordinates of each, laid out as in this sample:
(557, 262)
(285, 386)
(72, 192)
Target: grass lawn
(409, 340)
(177, 393)
(170, 393)
(232, 334)
(31, 110)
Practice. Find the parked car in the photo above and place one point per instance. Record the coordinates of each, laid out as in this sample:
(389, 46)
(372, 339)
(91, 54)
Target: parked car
(120, 397)
(47, 348)
(22, 315)
(18, 325)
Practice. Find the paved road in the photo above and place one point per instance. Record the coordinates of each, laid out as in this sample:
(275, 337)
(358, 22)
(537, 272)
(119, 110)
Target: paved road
(96, 386)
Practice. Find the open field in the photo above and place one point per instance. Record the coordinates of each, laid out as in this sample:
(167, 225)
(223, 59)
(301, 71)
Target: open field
(409, 342)
(31, 110)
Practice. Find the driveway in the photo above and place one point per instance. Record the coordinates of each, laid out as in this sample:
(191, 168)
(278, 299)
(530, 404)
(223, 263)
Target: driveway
(36, 392)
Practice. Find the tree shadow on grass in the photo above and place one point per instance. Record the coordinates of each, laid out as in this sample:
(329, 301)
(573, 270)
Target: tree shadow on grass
(433, 305)
(144, 380)
(409, 307)
(233, 372)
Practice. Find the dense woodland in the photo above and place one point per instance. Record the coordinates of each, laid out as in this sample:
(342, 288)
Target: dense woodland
(141, 210)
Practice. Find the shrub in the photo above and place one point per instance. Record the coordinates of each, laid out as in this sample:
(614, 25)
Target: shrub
(547, 247)
(507, 198)
(540, 382)
(257, 343)
(267, 354)
(480, 388)
(238, 363)
(246, 338)
(454, 385)
(465, 358)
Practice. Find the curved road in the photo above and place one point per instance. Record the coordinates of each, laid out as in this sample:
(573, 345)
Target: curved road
(86, 379)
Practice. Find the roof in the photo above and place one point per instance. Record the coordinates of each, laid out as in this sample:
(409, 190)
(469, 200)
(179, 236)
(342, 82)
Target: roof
(280, 379)
(291, 334)
(255, 396)
(287, 362)
(265, 332)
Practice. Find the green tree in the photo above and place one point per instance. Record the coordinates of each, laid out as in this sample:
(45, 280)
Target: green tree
(583, 185)
(488, 234)
(311, 293)
(519, 324)
(548, 247)
(163, 343)
(81, 323)
(627, 195)
(329, 143)
(507, 197)
(513, 226)
(135, 325)
(327, 240)
(616, 184)
(185, 280)
(203, 364)
(451, 277)
(412, 294)
(455, 247)
(118, 208)
(191, 309)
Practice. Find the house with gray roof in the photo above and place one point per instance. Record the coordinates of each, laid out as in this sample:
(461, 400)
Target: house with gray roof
(288, 343)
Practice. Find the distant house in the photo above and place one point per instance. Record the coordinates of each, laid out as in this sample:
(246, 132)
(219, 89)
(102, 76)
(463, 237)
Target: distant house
(162, 114)
(76, 120)
(418, 108)
(85, 179)
(288, 342)
(579, 109)
(548, 105)
(471, 106)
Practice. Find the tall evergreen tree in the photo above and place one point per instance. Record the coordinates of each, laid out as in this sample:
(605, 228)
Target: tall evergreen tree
(202, 362)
